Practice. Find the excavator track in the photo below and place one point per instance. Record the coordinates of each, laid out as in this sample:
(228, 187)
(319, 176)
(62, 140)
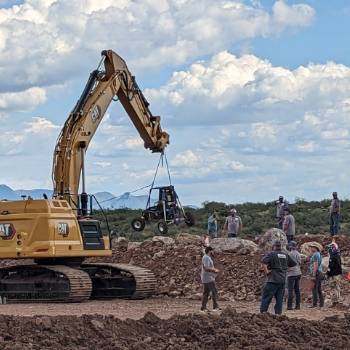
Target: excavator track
(44, 283)
(120, 281)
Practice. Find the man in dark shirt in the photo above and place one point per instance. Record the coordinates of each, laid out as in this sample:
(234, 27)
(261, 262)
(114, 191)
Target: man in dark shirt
(334, 272)
(276, 264)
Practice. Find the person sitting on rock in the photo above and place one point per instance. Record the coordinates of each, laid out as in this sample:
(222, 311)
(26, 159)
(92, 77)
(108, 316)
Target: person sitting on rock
(233, 224)
(275, 264)
(334, 272)
(208, 275)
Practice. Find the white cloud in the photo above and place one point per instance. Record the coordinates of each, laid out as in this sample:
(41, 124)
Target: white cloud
(308, 147)
(103, 164)
(40, 125)
(47, 42)
(23, 100)
(187, 158)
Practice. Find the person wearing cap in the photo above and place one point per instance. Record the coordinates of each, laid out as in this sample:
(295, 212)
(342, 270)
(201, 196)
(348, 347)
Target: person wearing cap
(208, 275)
(293, 277)
(334, 215)
(289, 224)
(281, 204)
(233, 224)
(276, 264)
(334, 272)
(315, 269)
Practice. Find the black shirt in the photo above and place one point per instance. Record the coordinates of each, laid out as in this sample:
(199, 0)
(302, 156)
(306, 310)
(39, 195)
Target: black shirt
(278, 262)
(334, 267)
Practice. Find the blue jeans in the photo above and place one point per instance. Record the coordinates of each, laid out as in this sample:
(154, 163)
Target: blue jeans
(272, 290)
(334, 223)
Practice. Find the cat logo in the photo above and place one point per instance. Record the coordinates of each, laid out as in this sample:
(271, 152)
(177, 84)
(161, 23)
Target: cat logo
(7, 231)
(96, 113)
(63, 229)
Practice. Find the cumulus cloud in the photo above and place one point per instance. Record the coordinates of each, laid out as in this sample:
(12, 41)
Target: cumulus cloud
(229, 89)
(23, 100)
(48, 42)
(40, 125)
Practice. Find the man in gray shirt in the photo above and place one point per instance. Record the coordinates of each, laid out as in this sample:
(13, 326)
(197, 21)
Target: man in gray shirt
(233, 224)
(289, 225)
(208, 275)
(293, 276)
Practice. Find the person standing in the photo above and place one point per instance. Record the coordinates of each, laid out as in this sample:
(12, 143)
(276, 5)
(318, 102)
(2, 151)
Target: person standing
(208, 275)
(334, 215)
(213, 225)
(293, 277)
(275, 264)
(334, 272)
(315, 269)
(289, 225)
(233, 224)
(281, 204)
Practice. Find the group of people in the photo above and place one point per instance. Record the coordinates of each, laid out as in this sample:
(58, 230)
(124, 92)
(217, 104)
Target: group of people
(282, 267)
(286, 221)
(232, 226)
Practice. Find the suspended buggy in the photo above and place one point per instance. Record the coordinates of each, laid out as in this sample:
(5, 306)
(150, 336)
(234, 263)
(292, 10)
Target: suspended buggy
(166, 211)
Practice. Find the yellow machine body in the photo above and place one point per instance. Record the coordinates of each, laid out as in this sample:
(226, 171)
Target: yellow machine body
(42, 229)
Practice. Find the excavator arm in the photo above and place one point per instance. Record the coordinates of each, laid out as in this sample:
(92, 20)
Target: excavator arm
(114, 82)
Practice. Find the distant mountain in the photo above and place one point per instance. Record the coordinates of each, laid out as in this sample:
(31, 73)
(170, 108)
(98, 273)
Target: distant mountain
(8, 193)
(35, 194)
(106, 199)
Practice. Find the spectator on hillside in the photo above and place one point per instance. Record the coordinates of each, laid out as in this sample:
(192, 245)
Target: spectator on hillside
(281, 204)
(275, 264)
(289, 225)
(213, 225)
(208, 275)
(233, 224)
(334, 272)
(315, 269)
(334, 215)
(293, 277)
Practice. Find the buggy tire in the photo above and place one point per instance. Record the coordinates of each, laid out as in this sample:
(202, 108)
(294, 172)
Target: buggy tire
(138, 224)
(162, 227)
(189, 219)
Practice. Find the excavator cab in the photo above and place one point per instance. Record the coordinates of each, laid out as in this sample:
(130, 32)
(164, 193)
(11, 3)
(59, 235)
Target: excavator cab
(167, 210)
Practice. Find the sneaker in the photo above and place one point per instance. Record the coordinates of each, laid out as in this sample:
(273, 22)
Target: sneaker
(290, 308)
(217, 309)
(205, 311)
(312, 306)
(297, 308)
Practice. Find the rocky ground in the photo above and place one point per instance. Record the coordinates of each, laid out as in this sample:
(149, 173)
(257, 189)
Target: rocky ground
(176, 263)
(230, 330)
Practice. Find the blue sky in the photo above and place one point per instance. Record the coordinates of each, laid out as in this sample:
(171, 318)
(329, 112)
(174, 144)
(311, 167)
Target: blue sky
(255, 94)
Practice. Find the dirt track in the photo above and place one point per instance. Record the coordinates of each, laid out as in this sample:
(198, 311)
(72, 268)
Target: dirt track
(136, 309)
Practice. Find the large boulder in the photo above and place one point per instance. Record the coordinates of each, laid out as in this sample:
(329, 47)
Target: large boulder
(234, 245)
(305, 248)
(267, 239)
(163, 239)
(188, 238)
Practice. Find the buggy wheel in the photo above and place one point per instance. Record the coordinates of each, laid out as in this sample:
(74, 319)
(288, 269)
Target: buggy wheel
(138, 224)
(162, 227)
(189, 219)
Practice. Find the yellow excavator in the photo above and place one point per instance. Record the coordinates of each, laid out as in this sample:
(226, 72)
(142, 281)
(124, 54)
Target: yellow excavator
(58, 234)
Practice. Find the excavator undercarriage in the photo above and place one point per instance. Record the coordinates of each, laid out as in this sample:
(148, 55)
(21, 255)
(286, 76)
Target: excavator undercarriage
(61, 283)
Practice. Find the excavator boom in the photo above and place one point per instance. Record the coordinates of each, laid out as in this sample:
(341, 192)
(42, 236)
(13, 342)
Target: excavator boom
(115, 81)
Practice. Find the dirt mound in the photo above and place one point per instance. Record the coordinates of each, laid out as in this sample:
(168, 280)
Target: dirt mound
(230, 330)
(177, 267)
